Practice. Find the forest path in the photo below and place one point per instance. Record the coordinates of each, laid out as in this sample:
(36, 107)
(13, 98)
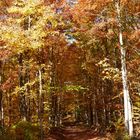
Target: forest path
(75, 133)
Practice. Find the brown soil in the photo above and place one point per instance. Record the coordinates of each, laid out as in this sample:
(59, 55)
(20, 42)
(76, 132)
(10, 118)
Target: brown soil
(76, 133)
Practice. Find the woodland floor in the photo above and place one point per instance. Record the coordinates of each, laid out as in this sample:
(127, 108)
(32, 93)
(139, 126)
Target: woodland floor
(76, 133)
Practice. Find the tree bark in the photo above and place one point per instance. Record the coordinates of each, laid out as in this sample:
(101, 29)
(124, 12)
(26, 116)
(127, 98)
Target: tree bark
(1, 109)
(40, 104)
(127, 103)
(23, 106)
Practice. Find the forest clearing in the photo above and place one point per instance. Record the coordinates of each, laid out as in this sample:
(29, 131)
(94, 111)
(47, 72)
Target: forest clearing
(69, 70)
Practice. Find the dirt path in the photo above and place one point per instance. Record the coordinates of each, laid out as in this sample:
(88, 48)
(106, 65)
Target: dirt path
(75, 133)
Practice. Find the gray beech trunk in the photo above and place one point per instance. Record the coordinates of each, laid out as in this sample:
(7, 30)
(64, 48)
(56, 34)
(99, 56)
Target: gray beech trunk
(127, 102)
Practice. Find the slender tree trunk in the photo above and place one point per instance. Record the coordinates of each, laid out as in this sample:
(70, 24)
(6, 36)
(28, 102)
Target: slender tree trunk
(40, 104)
(1, 96)
(10, 107)
(27, 79)
(53, 95)
(28, 101)
(23, 106)
(1, 109)
(127, 103)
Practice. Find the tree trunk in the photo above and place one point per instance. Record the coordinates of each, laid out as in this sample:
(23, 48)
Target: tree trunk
(53, 94)
(40, 104)
(23, 106)
(1, 109)
(1, 96)
(127, 103)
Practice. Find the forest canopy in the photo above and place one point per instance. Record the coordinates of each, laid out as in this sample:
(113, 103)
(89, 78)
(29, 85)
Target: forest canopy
(69, 62)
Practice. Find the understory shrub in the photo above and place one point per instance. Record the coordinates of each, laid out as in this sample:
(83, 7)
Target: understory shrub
(23, 130)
